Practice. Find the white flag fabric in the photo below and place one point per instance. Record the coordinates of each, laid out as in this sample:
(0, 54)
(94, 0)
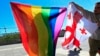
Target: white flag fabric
(78, 28)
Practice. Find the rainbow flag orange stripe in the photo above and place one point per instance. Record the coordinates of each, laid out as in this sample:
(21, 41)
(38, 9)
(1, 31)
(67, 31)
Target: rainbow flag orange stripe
(39, 27)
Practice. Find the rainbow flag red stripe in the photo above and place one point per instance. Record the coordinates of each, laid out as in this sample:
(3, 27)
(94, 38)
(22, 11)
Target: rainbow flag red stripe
(39, 27)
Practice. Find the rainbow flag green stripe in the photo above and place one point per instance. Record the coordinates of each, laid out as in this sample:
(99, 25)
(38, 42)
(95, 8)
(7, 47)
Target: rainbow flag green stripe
(46, 16)
(39, 27)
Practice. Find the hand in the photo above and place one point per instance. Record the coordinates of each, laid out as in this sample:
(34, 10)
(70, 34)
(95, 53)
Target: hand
(98, 24)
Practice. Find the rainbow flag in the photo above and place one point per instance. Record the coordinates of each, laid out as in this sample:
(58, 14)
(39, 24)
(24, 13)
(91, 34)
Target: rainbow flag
(39, 27)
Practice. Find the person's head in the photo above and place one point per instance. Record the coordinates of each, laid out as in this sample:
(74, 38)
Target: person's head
(97, 8)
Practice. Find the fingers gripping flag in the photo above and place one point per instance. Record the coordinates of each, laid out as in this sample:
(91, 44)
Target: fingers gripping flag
(78, 28)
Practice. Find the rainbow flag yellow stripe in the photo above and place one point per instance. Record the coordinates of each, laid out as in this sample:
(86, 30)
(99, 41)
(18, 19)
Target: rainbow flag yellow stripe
(39, 27)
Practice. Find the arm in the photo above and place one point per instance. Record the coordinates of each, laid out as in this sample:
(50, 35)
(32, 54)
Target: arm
(87, 14)
(78, 7)
(82, 10)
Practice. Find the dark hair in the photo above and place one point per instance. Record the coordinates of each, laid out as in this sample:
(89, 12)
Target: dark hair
(97, 3)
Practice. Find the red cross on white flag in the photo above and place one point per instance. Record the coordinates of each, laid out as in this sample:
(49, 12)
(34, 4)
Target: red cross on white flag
(78, 28)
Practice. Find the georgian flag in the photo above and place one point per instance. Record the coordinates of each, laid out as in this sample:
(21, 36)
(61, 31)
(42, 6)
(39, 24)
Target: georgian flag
(78, 28)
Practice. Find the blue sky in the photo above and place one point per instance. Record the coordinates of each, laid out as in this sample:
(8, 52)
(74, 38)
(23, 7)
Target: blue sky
(7, 18)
